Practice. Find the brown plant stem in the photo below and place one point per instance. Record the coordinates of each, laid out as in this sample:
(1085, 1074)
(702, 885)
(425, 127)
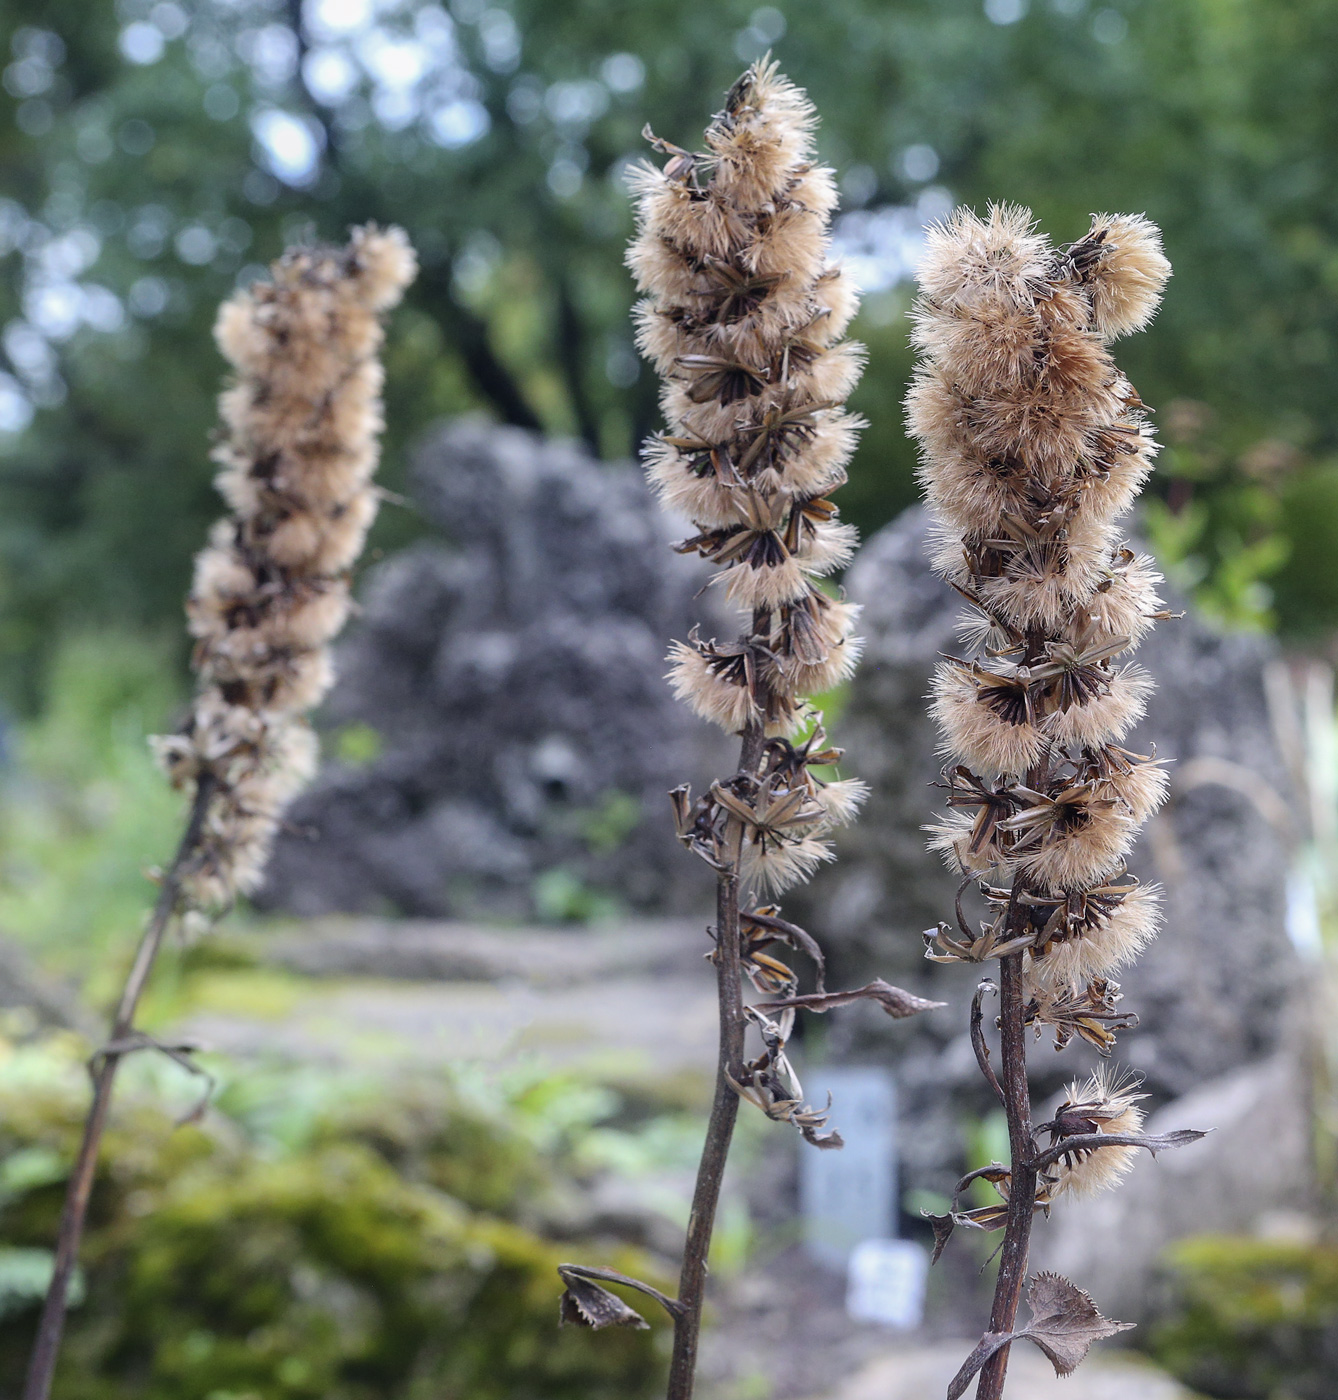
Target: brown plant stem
(1022, 1179)
(46, 1348)
(724, 1111)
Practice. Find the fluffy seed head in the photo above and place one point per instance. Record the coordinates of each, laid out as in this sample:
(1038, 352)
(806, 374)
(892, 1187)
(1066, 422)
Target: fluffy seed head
(1108, 1104)
(299, 449)
(841, 799)
(1079, 854)
(982, 722)
(774, 867)
(1105, 945)
(1126, 281)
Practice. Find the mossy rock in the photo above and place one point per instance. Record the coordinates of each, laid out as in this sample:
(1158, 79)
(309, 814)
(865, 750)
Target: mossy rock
(1251, 1319)
(373, 1262)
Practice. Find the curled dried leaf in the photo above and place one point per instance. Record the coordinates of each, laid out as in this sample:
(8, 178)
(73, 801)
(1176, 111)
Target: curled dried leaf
(894, 1000)
(585, 1304)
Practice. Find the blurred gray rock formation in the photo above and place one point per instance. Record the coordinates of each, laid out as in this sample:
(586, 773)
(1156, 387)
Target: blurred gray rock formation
(514, 677)
(1212, 992)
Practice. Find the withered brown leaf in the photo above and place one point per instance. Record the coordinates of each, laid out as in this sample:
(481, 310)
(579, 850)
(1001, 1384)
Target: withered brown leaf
(1064, 1324)
(894, 1000)
(586, 1304)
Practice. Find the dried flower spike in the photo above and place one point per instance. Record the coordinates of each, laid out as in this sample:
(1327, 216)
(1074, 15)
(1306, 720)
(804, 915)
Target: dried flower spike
(1033, 446)
(271, 589)
(743, 317)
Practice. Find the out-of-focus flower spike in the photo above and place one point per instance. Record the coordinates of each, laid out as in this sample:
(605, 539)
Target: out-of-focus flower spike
(300, 446)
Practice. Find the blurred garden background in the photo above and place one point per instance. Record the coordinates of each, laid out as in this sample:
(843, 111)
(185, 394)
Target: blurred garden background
(317, 1234)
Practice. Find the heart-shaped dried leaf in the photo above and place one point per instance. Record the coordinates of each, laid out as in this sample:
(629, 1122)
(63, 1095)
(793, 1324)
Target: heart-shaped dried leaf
(1065, 1322)
(586, 1304)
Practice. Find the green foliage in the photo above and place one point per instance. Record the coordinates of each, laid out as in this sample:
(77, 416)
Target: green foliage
(84, 811)
(562, 897)
(610, 822)
(1306, 587)
(377, 1247)
(132, 154)
(357, 745)
(1251, 1319)
(986, 1142)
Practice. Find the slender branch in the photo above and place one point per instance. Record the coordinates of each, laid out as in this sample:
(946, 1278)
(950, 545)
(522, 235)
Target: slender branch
(996, 1171)
(469, 334)
(724, 1111)
(1022, 1174)
(79, 1189)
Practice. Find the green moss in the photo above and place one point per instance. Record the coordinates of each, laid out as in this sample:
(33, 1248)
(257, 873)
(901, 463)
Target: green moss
(1252, 1319)
(374, 1253)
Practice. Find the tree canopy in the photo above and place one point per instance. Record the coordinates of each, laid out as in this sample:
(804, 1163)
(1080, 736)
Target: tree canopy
(152, 154)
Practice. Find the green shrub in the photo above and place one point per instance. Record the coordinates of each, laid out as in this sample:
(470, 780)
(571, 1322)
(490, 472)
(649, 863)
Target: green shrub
(1250, 1319)
(375, 1255)
(84, 811)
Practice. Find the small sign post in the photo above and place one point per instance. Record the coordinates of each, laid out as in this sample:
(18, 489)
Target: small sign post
(887, 1282)
(850, 1195)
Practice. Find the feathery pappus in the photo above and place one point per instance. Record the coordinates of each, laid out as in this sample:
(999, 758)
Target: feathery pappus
(743, 315)
(1106, 1103)
(301, 423)
(1033, 446)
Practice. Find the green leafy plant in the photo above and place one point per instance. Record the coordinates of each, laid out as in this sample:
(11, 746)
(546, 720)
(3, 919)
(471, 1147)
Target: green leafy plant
(315, 1239)
(84, 810)
(1251, 1319)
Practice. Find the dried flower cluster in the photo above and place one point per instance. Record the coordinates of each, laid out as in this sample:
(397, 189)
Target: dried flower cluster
(272, 587)
(743, 317)
(1034, 446)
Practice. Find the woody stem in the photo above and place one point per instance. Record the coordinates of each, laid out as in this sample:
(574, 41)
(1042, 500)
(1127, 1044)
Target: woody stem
(79, 1189)
(1022, 1178)
(724, 1111)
